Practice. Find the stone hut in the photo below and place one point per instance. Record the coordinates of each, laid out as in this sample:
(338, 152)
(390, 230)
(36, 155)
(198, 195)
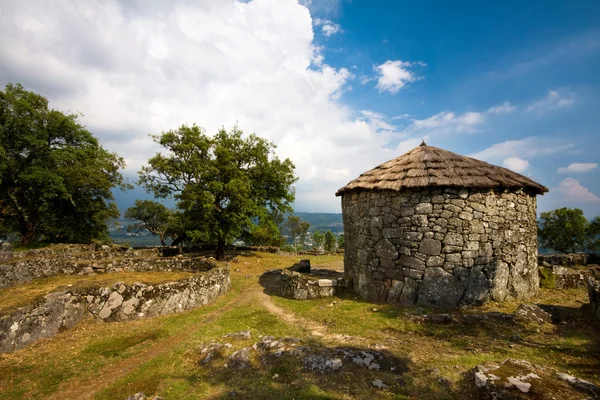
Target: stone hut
(437, 229)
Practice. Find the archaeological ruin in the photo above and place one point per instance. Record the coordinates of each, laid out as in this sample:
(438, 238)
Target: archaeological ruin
(435, 228)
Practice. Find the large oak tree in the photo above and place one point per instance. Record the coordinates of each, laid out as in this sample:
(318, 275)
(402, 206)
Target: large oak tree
(55, 179)
(222, 183)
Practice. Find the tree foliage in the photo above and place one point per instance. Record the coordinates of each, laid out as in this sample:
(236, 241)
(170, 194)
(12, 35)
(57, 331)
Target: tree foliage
(298, 230)
(221, 183)
(594, 234)
(318, 239)
(340, 241)
(155, 217)
(566, 230)
(330, 241)
(55, 179)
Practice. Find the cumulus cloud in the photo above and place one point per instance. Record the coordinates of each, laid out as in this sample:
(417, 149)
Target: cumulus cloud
(328, 27)
(526, 148)
(447, 122)
(572, 191)
(394, 75)
(552, 101)
(503, 108)
(516, 164)
(138, 68)
(577, 168)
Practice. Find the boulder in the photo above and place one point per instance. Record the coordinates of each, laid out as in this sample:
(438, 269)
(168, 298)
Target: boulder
(440, 289)
(531, 313)
(519, 379)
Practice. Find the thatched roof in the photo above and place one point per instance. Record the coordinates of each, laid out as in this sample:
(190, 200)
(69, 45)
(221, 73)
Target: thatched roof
(427, 167)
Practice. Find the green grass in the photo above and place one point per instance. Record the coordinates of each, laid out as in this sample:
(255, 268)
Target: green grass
(82, 355)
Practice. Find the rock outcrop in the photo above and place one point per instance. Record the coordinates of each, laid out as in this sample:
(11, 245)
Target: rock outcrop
(519, 379)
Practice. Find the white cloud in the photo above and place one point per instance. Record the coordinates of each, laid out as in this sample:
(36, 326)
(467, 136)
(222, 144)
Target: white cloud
(524, 148)
(394, 75)
(448, 122)
(503, 108)
(328, 27)
(577, 168)
(134, 69)
(377, 122)
(552, 101)
(572, 191)
(516, 164)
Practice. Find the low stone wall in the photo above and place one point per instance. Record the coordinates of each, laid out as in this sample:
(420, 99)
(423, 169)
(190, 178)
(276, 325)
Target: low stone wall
(593, 286)
(17, 271)
(569, 259)
(557, 277)
(297, 286)
(63, 310)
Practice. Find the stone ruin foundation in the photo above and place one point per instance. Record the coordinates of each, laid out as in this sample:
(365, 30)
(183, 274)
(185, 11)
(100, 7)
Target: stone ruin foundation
(441, 247)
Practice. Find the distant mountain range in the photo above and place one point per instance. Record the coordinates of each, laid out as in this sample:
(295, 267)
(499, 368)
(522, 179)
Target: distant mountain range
(318, 221)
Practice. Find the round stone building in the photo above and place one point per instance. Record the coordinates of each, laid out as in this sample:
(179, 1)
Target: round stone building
(434, 228)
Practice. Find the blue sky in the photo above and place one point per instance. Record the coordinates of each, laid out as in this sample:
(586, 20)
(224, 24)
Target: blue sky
(340, 86)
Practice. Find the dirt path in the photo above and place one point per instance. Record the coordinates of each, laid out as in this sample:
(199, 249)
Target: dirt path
(86, 389)
(253, 293)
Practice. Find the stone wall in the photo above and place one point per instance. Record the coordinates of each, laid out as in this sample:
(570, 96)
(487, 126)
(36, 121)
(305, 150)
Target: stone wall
(441, 248)
(568, 260)
(593, 286)
(298, 286)
(21, 270)
(63, 310)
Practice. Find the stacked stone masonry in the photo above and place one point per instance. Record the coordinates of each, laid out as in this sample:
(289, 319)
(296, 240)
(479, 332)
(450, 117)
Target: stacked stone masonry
(441, 247)
(298, 286)
(63, 310)
(71, 260)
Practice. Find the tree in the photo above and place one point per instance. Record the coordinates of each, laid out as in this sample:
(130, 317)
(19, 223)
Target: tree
(55, 179)
(152, 216)
(298, 230)
(330, 241)
(221, 183)
(340, 241)
(265, 232)
(318, 238)
(594, 235)
(564, 229)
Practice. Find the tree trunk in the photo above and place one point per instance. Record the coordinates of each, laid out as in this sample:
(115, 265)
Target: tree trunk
(162, 239)
(220, 252)
(27, 237)
(179, 240)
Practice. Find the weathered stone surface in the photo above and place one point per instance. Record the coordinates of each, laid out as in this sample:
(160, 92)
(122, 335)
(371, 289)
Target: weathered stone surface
(75, 259)
(440, 289)
(121, 302)
(491, 233)
(531, 313)
(424, 208)
(294, 285)
(593, 286)
(395, 292)
(478, 291)
(519, 379)
(386, 249)
(431, 247)
(412, 262)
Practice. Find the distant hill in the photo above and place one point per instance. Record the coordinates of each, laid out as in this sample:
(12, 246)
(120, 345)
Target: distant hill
(323, 221)
(318, 221)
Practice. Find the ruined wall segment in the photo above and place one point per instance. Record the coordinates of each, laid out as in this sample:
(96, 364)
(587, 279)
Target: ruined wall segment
(441, 247)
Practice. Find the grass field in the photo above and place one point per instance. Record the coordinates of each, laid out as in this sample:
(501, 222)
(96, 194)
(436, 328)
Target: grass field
(161, 355)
